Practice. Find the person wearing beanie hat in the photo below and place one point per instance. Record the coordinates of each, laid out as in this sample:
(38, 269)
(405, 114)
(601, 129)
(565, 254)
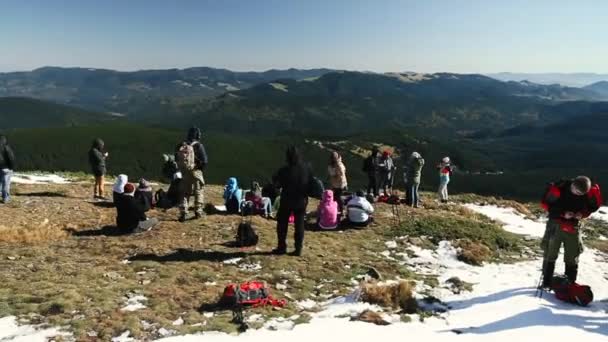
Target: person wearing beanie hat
(567, 203)
(386, 168)
(370, 167)
(119, 188)
(97, 160)
(445, 171)
(144, 194)
(413, 175)
(130, 214)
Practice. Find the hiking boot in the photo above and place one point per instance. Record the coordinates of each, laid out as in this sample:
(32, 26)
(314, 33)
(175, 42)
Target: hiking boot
(182, 218)
(548, 269)
(198, 216)
(297, 253)
(279, 251)
(571, 272)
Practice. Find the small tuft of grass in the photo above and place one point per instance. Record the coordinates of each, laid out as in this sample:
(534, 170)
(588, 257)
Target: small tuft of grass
(395, 296)
(370, 316)
(473, 253)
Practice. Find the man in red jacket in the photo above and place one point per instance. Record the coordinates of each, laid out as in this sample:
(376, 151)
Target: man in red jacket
(568, 202)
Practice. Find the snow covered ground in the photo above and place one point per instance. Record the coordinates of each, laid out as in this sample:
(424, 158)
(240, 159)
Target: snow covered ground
(11, 331)
(501, 307)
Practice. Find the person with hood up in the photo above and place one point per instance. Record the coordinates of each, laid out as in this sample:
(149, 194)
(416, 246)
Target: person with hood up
(130, 214)
(144, 194)
(359, 210)
(232, 196)
(7, 167)
(118, 188)
(97, 160)
(386, 169)
(413, 175)
(337, 178)
(445, 171)
(328, 211)
(191, 159)
(295, 180)
(370, 167)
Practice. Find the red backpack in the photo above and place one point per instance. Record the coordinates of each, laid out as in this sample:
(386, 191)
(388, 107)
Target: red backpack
(253, 293)
(571, 292)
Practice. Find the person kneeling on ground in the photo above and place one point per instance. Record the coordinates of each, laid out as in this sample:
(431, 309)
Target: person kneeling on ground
(257, 202)
(131, 216)
(144, 195)
(118, 188)
(568, 202)
(328, 211)
(232, 196)
(359, 210)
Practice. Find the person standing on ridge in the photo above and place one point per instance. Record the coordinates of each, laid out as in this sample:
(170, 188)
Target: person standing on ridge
(567, 202)
(97, 159)
(337, 179)
(370, 167)
(7, 167)
(445, 171)
(413, 175)
(191, 159)
(386, 169)
(295, 180)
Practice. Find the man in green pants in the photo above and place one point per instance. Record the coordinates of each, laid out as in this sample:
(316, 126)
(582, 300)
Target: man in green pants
(191, 159)
(567, 202)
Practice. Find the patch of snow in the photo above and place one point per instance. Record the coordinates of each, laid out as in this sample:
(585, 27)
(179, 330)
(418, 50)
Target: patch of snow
(178, 322)
(513, 221)
(208, 314)
(232, 261)
(210, 283)
(279, 86)
(601, 214)
(21, 178)
(124, 337)
(250, 267)
(227, 86)
(391, 244)
(11, 331)
(306, 304)
(255, 318)
(135, 303)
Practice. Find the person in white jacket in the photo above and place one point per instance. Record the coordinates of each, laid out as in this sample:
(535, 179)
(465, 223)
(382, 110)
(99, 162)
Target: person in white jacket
(359, 210)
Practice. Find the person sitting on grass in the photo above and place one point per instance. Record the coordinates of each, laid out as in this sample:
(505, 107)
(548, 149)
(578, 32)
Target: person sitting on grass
(359, 210)
(144, 194)
(255, 203)
(327, 211)
(232, 196)
(118, 188)
(131, 217)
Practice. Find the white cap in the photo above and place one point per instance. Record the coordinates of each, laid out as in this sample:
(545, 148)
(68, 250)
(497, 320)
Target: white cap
(446, 159)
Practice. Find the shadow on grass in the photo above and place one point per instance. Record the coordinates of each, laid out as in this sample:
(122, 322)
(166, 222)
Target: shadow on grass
(104, 204)
(42, 194)
(103, 231)
(186, 255)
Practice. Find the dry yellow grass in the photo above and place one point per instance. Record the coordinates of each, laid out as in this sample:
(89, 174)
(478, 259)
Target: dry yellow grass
(472, 252)
(396, 296)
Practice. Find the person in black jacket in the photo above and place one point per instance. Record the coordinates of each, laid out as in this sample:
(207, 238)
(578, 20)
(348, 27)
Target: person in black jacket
(144, 195)
(371, 167)
(131, 216)
(7, 167)
(294, 180)
(192, 176)
(97, 159)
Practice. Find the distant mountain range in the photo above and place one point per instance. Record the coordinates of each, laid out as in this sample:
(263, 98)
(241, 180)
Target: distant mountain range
(565, 79)
(128, 92)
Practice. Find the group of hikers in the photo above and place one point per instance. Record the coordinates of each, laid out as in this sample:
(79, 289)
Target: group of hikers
(567, 202)
(286, 195)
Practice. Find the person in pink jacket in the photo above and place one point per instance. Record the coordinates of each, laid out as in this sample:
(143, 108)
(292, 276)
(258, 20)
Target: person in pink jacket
(328, 211)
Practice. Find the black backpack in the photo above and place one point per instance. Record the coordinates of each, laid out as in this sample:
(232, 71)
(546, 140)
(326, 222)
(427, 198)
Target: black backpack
(315, 188)
(162, 200)
(245, 235)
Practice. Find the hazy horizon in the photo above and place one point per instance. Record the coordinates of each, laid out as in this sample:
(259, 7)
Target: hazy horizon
(382, 36)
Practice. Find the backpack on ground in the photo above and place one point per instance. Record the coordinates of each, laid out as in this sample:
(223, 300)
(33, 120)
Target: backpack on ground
(245, 235)
(162, 200)
(393, 199)
(252, 293)
(315, 188)
(571, 292)
(186, 158)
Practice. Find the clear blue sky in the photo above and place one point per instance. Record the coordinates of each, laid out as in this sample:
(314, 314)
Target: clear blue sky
(376, 35)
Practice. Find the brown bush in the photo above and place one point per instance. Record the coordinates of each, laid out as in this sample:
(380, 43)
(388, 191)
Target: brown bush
(473, 253)
(396, 296)
(370, 317)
